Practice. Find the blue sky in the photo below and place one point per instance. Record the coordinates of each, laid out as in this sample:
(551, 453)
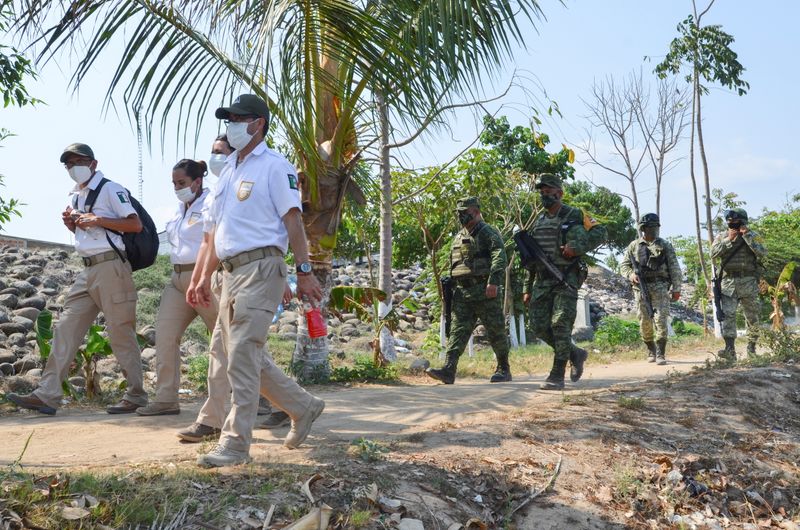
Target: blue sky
(751, 140)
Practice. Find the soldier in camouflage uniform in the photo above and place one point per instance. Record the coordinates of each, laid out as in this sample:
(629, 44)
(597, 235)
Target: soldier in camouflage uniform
(739, 251)
(661, 273)
(565, 234)
(477, 267)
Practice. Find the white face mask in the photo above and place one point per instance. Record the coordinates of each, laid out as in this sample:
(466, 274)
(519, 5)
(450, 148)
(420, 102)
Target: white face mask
(238, 136)
(216, 163)
(80, 174)
(185, 194)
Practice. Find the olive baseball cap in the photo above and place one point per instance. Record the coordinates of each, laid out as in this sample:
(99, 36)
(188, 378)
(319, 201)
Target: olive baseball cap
(467, 202)
(244, 105)
(77, 149)
(548, 179)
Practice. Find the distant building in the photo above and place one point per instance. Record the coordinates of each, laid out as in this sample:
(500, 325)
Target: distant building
(37, 244)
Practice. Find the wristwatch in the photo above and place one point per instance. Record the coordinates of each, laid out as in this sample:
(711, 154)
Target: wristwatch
(304, 268)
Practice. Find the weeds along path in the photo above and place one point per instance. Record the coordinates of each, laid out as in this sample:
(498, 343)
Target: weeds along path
(78, 437)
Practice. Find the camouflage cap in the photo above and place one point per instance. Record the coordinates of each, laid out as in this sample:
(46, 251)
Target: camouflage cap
(548, 179)
(467, 202)
(246, 104)
(77, 149)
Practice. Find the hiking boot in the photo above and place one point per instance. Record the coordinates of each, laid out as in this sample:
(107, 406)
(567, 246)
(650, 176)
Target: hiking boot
(302, 426)
(652, 350)
(123, 407)
(751, 347)
(159, 409)
(275, 420)
(502, 373)
(198, 432)
(31, 402)
(661, 355)
(221, 456)
(445, 375)
(729, 352)
(555, 381)
(577, 357)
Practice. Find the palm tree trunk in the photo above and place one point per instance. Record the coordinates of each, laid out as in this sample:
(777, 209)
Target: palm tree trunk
(385, 266)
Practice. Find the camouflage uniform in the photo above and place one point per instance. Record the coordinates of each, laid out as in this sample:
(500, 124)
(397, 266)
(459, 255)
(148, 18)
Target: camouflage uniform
(661, 273)
(553, 305)
(739, 281)
(477, 259)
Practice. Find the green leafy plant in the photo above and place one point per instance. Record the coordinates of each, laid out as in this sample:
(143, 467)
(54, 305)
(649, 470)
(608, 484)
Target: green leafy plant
(783, 288)
(97, 346)
(614, 331)
(686, 329)
(364, 369)
(197, 371)
(368, 450)
(44, 333)
(631, 403)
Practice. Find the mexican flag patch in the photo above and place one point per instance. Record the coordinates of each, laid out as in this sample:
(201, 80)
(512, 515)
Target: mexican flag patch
(292, 180)
(123, 197)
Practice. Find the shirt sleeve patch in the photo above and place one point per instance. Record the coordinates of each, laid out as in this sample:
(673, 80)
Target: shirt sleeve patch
(589, 222)
(123, 197)
(292, 180)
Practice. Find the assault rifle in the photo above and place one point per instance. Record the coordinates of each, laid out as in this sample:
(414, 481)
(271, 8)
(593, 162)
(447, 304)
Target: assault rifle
(717, 284)
(645, 294)
(447, 299)
(531, 252)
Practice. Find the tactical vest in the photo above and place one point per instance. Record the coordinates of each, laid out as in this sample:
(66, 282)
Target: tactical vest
(652, 260)
(466, 259)
(547, 231)
(743, 261)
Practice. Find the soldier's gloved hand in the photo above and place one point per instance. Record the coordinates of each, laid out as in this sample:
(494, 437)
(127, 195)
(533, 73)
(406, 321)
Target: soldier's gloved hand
(634, 279)
(676, 296)
(491, 291)
(568, 252)
(526, 298)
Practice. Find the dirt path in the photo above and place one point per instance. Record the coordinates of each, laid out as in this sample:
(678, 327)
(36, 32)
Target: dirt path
(77, 437)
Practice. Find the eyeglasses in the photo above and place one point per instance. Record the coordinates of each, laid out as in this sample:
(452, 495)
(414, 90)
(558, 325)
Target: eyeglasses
(244, 118)
(79, 162)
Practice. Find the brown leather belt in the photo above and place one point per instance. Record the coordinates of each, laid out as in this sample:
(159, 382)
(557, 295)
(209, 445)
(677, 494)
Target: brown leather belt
(109, 255)
(248, 256)
(183, 268)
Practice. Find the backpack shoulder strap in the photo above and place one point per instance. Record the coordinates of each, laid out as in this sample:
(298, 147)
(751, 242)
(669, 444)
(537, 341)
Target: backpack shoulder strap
(92, 197)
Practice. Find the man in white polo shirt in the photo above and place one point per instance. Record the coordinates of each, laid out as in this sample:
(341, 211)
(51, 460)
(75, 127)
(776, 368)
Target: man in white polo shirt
(105, 284)
(254, 217)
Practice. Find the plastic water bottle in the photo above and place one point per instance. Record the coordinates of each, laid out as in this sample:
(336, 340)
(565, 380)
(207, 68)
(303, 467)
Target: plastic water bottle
(314, 321)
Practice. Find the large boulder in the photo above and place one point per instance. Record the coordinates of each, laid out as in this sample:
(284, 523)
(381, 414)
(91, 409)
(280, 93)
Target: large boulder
(13, 327)
(25, 288)
(9, 300)
(17, 339)
(37, 301)
(27, 323)
(7, 356)
(30, 313)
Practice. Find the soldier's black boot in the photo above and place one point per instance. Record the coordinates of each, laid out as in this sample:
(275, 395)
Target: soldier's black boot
(502, 373)
(447, 373)
(652, 351)
(729, 352)
(751, 347)
(577, 357)
(555, 381)
(661, 355)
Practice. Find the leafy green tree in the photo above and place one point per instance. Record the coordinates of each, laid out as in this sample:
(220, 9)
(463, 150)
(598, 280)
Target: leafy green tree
(781, 232)
(606, 206)
(704, 55)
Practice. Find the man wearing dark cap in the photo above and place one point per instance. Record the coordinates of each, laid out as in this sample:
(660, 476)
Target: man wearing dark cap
(565, 234)
(105, 284)
(477, 268)
(253, 219)
(739, 251)
(659, 270)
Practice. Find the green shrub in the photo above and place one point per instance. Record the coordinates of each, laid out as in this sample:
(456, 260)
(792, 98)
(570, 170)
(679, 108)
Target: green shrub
(364, 369)
(197, 371)
(686, 329)
(614, 331)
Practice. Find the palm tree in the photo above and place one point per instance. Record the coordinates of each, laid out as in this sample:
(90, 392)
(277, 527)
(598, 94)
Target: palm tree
(316, 62)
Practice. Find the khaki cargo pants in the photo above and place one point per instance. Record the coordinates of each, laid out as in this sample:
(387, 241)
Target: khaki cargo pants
(106, 287)
(250, 295)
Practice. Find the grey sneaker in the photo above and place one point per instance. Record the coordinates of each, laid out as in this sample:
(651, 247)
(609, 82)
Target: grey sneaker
(159, 409)
(221, 456)
(661, 360)
(302, 426)
(275, 420)
(198, 432)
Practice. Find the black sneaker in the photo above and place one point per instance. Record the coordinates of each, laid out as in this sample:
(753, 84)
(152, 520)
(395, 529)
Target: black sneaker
(501, 376)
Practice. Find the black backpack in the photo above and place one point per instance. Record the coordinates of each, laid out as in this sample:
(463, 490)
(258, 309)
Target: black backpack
(141, 247)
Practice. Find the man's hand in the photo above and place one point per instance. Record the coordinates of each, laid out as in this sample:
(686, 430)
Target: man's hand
(733, 233)
(568, 252)
(199, 294)
(491, 291)
(307, 285)
(676, 296)
(526, 298)
(634, 278)
(66, 218)
(287, 294)
(87, 220)
(743, 229)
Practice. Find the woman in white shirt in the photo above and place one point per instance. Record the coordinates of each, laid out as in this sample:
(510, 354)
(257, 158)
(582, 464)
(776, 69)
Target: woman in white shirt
(185, 233)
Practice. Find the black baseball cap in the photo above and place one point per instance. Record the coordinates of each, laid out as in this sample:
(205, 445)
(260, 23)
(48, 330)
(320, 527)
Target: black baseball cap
(77, 149)
(244, 105)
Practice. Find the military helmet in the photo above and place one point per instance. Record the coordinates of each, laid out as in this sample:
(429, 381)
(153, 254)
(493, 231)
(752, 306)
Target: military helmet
(649, 219)
(736, 214)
